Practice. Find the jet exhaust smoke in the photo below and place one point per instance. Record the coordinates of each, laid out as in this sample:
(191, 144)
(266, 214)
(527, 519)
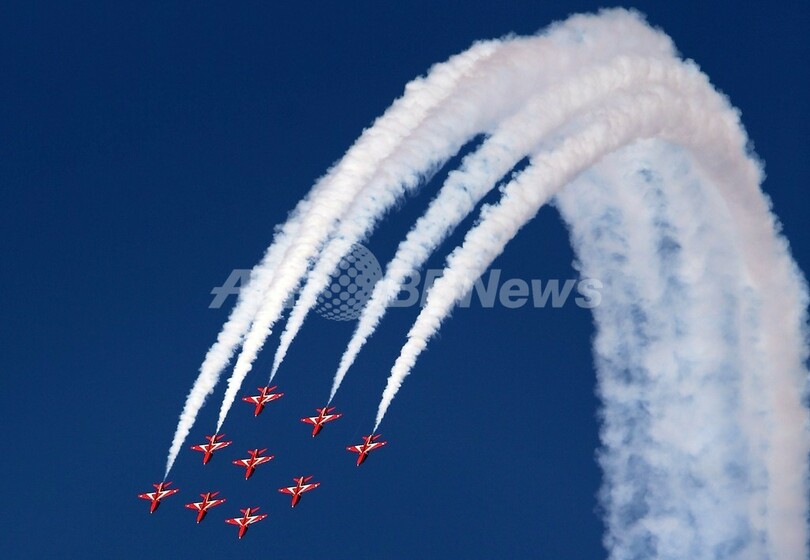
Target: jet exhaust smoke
(371, 148)
(512, 140)
(701, 348)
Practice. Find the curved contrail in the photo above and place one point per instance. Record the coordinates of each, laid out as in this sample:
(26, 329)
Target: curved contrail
(711, 130)
(521, 67)
(701, 342)
(479, 171)
(350, 175)
(369, 150)
(480, 89)
(230, 337)
(671, 361)
(642, 115)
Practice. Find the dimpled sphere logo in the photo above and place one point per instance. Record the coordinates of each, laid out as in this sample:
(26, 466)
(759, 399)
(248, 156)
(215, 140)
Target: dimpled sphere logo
(350, 286)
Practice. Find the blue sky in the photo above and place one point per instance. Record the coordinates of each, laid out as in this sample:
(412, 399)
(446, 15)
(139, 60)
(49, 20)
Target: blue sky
(148, 151)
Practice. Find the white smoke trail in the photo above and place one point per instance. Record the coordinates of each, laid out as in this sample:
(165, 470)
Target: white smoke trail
(340, 186)
(230, 337)
(373, 146)
(521, 200)
(532, 64)
(670, 359)
(713, 135)
(479, 171)
(705, 433)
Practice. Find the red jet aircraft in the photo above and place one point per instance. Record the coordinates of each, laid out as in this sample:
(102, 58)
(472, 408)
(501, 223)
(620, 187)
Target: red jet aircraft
(253, 461)
(322, 418)
(246, 519)
(213, 445)
(207, 503)
(158, 495)
(299, 488)
(369, 444)
(265, 396)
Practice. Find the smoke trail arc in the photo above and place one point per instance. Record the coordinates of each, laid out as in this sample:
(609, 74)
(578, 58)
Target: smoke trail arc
(374, 145)
(497, 90)
(372, 151)
(511, 141)
(701, 352)
(656, 231)
(713, 134)
(233, 331)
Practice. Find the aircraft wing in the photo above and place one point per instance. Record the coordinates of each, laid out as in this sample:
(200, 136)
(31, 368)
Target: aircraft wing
(308, 487)
(158, 495)
(255, 461)
(219, 445)
(375, 445)
(255, 518)
(288, 490)
(205, 505)
(310, 420)
(165, 493)
(355, 448)
(254, 400)
(236, 521)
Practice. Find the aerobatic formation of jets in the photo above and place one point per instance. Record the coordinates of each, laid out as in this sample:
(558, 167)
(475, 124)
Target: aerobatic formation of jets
(255, 458)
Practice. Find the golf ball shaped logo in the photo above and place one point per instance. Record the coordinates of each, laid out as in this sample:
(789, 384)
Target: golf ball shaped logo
(350, 286)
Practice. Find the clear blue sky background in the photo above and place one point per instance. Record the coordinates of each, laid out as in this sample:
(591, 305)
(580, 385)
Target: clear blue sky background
(146, 151)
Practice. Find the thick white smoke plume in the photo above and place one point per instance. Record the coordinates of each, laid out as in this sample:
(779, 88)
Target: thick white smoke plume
(216, 359)
(497, 90)
(513, 139)
(372, 147)
(657, 233)
(711, 132)
(701, 343)
(656, 112)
